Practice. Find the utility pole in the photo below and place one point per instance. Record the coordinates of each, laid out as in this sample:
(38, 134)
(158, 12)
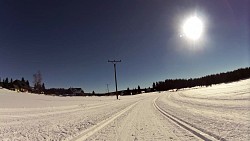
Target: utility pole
(114, 62)
(108, 88)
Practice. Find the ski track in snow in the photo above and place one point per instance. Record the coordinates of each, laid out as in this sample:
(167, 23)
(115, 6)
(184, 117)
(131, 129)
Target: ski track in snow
(214, 110)
(220, 112)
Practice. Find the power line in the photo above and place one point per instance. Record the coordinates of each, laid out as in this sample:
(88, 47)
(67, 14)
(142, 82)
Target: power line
(114, 62)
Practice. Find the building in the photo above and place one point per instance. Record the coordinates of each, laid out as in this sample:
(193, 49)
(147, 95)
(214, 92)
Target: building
(20, 86)
(76, 91)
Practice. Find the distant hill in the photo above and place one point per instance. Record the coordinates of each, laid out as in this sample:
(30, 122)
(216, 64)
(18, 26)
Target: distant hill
(230, 76)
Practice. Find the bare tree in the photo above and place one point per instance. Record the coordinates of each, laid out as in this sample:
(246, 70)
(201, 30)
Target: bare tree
(37, 81)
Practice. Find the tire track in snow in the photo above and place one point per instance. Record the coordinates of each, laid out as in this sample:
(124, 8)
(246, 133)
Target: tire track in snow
(94, 129)
(200, 133)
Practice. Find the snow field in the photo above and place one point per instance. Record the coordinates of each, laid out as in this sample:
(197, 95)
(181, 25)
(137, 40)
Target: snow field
(57, 122)
(221, 111)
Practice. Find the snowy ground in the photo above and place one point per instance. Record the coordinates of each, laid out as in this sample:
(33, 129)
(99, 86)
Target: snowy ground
(220, 112)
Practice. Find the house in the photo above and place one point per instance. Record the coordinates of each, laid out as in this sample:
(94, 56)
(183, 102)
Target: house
(20, 86)
(76, 91)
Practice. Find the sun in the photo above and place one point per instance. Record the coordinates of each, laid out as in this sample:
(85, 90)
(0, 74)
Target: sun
(193, 28)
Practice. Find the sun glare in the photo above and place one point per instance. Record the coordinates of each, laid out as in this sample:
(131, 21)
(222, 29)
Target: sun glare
(193, 28)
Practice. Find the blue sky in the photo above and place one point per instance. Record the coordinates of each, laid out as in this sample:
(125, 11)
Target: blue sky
(70, 42)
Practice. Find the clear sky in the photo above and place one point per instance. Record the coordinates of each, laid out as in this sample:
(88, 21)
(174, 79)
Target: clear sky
(70, 42)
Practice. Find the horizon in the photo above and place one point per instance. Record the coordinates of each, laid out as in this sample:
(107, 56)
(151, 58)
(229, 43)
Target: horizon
(71, 42)
(135, 87)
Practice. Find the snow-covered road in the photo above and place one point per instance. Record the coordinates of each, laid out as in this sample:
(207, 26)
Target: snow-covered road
(220, 112)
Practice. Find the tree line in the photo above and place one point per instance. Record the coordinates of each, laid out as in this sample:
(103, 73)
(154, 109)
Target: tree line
(168, 84)
(24, 85)
(236, 75)
(134, 91)
(10, 84)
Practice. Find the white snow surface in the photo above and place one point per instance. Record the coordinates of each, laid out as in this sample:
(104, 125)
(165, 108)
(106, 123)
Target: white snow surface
(221, 111)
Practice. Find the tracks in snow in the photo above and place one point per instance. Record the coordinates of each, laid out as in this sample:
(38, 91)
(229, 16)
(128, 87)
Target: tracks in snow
(17, 118)
(199, 133)
(94, 129)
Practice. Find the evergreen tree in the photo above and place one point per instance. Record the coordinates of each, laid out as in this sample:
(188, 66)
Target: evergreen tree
(43, 87)
(11, 83)
(154, 87)
(6, 83)
(139, 89)
(7, 80)
(27, 83)
(23, 80)
(128, 91)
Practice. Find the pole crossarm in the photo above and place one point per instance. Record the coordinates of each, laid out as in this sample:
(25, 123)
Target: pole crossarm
(114, 61)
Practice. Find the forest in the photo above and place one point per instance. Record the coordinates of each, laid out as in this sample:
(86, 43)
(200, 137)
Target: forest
(230, 76)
